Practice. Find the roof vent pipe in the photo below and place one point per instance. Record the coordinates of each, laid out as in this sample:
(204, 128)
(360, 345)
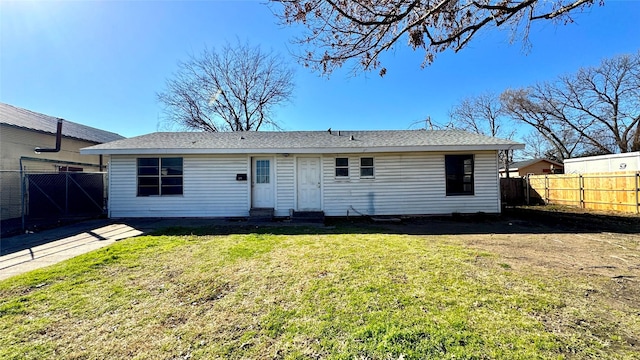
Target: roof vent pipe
(58, 140)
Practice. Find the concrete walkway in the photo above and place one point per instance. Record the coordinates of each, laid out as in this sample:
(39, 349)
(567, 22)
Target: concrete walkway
(27, 252)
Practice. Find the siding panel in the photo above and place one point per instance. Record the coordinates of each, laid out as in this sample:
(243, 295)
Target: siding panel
(285, 180)
(210, 189)
(407, 184)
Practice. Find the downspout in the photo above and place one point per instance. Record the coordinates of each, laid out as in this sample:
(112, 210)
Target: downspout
(58, 141)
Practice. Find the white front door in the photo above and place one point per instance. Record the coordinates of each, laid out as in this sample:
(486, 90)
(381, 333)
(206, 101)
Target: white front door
(308, 179)
(262, 183)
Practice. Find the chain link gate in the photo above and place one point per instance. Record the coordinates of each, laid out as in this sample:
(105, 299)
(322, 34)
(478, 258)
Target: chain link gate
(64, 195)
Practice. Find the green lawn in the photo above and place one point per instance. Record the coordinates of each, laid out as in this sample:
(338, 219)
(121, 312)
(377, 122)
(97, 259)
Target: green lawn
(337, 296)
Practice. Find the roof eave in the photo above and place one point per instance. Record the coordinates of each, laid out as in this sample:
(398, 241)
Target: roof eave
(377, 149)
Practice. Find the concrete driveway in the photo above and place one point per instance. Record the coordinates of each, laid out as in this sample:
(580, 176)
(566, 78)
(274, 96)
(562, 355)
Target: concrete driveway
(26, 252)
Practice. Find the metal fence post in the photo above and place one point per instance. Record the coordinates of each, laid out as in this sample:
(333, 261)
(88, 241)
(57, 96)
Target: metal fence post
(66, 193)
(105, 192)
(23, 193)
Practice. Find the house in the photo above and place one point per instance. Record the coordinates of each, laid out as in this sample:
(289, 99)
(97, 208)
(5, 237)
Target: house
(226, 174)
(22, 132)
(532, 167)
(604, 163)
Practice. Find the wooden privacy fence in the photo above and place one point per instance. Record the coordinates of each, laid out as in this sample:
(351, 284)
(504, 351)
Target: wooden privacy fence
(619, 191)
(512, 191)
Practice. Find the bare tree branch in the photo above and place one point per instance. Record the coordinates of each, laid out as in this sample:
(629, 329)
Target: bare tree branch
(483, 114)
(595, 111)
(341, 30)
(235, 89)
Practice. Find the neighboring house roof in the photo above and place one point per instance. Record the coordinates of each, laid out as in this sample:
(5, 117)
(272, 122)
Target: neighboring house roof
(514, 166)
(302, 142)
(23, 118)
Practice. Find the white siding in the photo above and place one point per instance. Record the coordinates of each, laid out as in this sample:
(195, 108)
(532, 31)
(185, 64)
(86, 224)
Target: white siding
(408, 184)
(285, 180)
(404, 184)
(210, 189)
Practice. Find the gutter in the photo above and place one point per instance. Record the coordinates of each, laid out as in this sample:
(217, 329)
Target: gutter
(291, 150)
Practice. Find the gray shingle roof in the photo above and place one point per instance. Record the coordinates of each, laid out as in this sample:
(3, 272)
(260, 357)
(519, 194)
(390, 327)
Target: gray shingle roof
(15, 116)
(302, 142)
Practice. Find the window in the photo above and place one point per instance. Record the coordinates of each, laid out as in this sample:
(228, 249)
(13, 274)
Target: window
(342, 167)
(159, 176)
(459, 174)
(262, 171)
(366, 167)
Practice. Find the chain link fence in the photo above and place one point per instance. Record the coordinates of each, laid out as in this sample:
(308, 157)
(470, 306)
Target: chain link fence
(33, 199)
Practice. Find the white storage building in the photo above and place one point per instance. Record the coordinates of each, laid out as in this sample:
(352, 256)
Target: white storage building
(603, 163)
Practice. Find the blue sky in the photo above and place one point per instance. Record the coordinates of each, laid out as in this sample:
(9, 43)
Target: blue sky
(101, 63)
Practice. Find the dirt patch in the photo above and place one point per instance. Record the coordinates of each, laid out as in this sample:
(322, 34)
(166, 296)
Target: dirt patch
(593, 256)
(596, 254)
(603, 270)
(564, 241)
(616, 256)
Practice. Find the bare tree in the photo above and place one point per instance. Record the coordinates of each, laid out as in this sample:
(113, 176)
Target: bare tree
(235, 89)
(483, 115)
(340, 30)
(519, 106)
(595, 111)
(538, 147)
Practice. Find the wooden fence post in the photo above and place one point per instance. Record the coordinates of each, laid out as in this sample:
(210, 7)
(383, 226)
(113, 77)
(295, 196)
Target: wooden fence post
(581, 190)
(637, 191)
(527, 193)
(546, 189)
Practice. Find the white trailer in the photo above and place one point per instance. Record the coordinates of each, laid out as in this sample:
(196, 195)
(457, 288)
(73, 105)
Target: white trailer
(603, 163)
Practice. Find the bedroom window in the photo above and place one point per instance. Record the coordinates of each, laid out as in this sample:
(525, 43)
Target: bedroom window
(342, 167)
(159, 176)
(459, 174)
(366, 167)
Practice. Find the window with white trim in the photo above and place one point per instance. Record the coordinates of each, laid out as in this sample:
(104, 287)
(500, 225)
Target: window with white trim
(366, 167)
(159, 176)
(342, 167)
